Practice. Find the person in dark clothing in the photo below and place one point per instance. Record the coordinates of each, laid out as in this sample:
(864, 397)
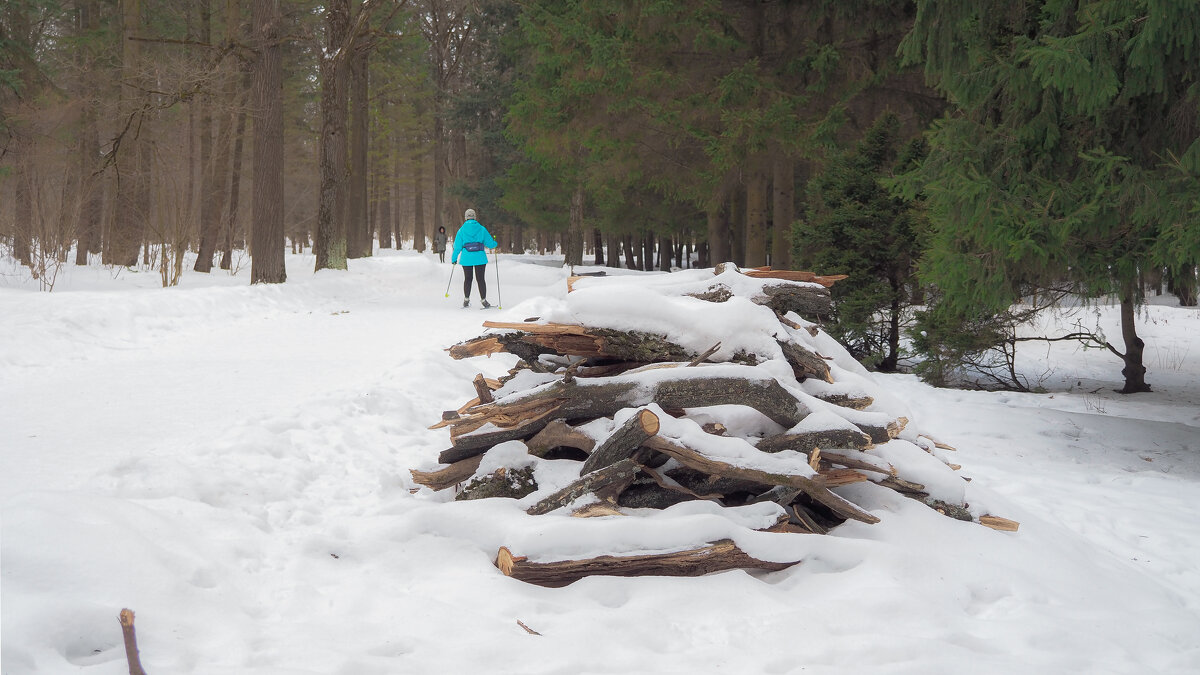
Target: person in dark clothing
(470, 242)
(439, 244)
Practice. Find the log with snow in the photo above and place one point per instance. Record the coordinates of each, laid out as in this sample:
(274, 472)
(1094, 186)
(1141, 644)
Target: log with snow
(700, 389)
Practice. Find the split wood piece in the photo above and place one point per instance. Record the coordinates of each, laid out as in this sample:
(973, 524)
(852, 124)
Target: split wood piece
(559, 434)
(998, 523)
(651, 495)
(596, 510)
(806, 441)
(799, 515)
(606, 483)
(849, 461)
(813, 487)
(449, 476)
(467, 444)
(130, 636)
(938, 444)
(902, 485)
(576, 277)
(804, 363)
(622, 442)
(482, 391)
(714, 557)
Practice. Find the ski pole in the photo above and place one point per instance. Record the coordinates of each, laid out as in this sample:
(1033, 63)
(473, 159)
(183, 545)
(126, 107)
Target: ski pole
(450, 280)
(496, 258)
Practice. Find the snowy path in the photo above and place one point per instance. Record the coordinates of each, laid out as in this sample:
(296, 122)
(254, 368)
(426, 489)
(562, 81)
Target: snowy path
(231, 462)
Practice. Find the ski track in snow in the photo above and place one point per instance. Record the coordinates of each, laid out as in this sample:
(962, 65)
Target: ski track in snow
(231, 462)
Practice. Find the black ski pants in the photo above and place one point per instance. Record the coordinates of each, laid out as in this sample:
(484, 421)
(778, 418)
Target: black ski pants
(478, 270)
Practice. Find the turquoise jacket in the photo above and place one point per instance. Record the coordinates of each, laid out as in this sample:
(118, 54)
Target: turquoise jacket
(471, 231)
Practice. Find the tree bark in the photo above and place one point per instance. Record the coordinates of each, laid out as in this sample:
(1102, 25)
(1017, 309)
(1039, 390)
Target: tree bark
(359, 240)
(210, 209)
(1134, 370)
(607, 483)
(718, 236)
(573, 255)
(267, 264)
(330, 242)
(622, 442)
(715, 557)
(784, 205)
(756, 218)
(132, 658)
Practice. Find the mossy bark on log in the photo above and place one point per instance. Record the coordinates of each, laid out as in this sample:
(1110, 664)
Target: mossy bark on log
(503, 482)
(882, 433)
(606, 483)
(850, 401)
(622, 442)
(449, 476)
(784, 297)
(532, 340)
(648, 494)
(813, 487)
(714, 557)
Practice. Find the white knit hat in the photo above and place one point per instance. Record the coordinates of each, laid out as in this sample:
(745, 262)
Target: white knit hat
(469, 215)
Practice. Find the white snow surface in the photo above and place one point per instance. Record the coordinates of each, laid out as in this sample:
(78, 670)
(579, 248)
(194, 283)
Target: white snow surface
(231, 462)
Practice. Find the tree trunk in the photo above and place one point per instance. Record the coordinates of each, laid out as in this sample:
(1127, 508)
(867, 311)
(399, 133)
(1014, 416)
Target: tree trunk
(647, 252)
(124, 234)
(1183, 285)
(573, 253)
(358, 244)
(598, 246)
(210, 200)
(329, 244)
(756, 218)
(718, 236)
(235, 182)
(418, 164)
(1134, 371)
(627, 242)
(92, 197)
(665, 249)
(784, 203)
(267, 240)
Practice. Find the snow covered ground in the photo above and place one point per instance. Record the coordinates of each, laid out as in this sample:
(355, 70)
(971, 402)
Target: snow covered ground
(231, 462)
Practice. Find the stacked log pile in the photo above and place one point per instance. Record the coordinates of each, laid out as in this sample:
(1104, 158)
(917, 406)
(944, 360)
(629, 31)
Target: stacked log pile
(654, 419)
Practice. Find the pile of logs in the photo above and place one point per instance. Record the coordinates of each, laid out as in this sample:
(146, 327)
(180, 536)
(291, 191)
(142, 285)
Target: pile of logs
(640, 411)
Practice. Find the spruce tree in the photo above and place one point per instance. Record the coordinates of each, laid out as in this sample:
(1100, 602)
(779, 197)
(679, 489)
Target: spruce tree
(1074, 154)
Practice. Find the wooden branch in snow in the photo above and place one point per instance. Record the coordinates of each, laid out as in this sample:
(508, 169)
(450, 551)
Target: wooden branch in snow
(805, 363)
(714, 557)
(130, 637)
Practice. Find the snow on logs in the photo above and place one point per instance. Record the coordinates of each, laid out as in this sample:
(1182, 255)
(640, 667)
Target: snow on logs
(709, 399)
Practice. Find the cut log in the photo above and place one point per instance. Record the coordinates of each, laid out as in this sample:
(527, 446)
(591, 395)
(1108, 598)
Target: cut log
(805, 442)
(622, 442)
(804, 363)
(520, 416)
(781, 297)
(998, 523)
(714, 557)
(649, 494)
(449, 476)
(846, 400)
(788, 275)
(606, 483)
(559, 434)
(882, 433)
(532, 340)
(813, 487)
(708, 486)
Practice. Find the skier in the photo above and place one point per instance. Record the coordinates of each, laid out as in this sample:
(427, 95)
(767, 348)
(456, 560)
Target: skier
(470, 241)
(439, 243)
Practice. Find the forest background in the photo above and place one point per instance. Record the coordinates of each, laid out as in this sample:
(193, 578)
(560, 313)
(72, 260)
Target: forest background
(979, 161)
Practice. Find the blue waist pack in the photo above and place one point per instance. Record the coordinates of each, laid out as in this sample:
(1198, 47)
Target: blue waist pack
(473, 246)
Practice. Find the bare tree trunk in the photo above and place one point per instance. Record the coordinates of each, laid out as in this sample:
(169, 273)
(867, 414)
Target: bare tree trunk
(235, 180)
(784, 203)
(1134, 370)
(210, 210)
(573, 253)
(598, 246)
(737, 227)
(358, 242)
(267, 235)
(648, 252)
(718, 236)
(383, 192)
(627, 242)
(329, 245)
(756, 218)
(121, 246)
(92, 189)
(665, 249)
(418, 164)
